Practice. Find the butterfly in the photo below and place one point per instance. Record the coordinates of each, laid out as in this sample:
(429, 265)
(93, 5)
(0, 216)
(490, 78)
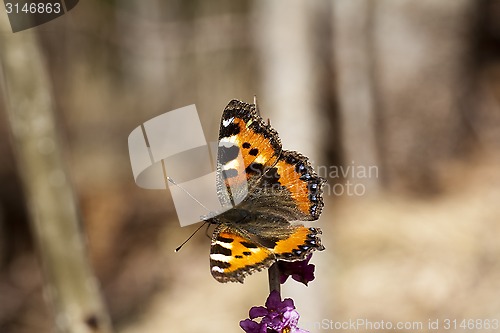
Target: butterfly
(264, 188)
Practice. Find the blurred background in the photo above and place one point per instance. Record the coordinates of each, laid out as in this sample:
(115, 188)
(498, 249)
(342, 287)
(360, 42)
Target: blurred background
(397, 104)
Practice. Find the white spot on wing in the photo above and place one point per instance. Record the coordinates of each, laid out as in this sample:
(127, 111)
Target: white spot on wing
(228, 246)
(234, 164)
(260, 159)
(217, 269)
(220, 257)
(229, 141)
(226, 122)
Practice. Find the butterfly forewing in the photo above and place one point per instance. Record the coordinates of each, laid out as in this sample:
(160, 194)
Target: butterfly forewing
(247, 148)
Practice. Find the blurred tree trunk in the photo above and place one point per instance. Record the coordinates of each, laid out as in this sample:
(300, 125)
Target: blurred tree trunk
(70, 285)
(353, 61)
(138, 27)
(402, 84)
(285, 38)
(421, 60)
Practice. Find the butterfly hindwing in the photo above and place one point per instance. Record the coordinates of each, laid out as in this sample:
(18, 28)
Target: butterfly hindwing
(235, 254)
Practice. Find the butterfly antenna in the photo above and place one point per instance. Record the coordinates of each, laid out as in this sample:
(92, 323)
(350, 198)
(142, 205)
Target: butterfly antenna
(206, 230)
(189, 194)
(256, 105)
(258, 110)
(187, 240)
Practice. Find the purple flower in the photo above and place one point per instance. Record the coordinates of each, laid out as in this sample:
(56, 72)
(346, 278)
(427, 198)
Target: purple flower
(300, 271)
(277, 317)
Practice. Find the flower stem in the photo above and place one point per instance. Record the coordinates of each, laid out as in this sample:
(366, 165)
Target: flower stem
(274, 278)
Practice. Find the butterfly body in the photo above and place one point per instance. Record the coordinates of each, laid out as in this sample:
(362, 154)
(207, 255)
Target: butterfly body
(264, 188)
